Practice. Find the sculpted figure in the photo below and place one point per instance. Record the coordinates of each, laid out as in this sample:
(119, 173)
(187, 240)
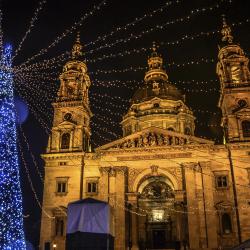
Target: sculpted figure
(140, 142)
(129, 144)
(159, 140)
(181, 141)
(152, 140)
(166, 140)
(125, 145)
(145, 140)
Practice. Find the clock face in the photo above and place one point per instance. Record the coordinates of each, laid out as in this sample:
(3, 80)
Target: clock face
(67, 117)
(242, 103)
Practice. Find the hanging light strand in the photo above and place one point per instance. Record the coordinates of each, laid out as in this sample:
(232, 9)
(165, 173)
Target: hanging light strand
(133, 23)
(157, 27)
(31, 25)
(70, 30)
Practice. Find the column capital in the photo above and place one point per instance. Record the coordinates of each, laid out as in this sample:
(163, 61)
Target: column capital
(121, 169)
(205, 164)
(132, 197)
(104, 170)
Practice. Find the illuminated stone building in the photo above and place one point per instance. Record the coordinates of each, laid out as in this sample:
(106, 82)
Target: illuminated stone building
(168, 188)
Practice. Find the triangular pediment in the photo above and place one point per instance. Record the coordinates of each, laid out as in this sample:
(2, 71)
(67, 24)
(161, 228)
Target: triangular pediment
(154, 137)
(67, 124)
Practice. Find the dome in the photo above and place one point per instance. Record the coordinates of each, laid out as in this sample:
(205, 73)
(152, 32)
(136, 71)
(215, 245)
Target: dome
(163, 90)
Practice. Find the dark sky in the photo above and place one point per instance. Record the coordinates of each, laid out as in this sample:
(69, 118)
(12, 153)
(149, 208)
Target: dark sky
(59, 15)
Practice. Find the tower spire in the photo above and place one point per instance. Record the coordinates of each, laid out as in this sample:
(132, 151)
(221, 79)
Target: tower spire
(226, 31)
(77, 47)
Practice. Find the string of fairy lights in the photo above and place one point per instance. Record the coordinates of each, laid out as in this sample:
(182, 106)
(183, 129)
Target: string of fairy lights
(32, 84)
(31, 25)
(162, 27)
(137, 20)
(68, 31)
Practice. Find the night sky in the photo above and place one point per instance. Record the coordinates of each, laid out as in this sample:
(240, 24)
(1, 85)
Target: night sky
(38, 87)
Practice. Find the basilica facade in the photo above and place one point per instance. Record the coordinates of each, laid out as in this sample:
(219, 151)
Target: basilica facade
(167, 188)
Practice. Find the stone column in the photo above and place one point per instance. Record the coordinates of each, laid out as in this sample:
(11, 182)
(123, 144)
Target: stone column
(103, 184)
(193, 218)
(57, 140)
(182, 129)
(179, 199)
(120, 223)
(71, 142)
(132, 199)
(49, 145)
(211, 217)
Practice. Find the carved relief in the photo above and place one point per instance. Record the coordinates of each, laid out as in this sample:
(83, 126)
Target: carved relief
(157, 190)
(151, 140)
(132, 174)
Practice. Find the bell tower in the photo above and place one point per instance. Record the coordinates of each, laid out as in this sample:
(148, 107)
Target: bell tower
(71, 129)
(233, 72)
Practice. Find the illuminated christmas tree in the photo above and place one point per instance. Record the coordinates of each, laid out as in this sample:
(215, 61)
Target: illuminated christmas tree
(11, 216)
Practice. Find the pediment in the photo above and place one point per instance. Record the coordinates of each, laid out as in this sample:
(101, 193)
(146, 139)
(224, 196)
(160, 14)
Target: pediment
(154, 137)
(66, 124)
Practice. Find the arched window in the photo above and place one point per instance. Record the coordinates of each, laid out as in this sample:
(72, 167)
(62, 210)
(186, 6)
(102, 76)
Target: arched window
(187, 131)
(246, 128)
(65, 140)
(226, 223)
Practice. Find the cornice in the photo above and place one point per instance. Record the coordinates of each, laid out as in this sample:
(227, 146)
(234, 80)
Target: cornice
(62, 155)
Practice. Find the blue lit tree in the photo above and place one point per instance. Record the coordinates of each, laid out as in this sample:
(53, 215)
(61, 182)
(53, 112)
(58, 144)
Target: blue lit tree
(11, 212)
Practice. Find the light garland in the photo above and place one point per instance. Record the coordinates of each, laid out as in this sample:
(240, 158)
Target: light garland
(1, 33)
(140, 68)
(144, 49)
(45, 64)
(32, 22)
(32, 186)
(11, 211)
(133, 23)
(32, 155)
(95, 125)
(106, 120)
(68, 31)
(136, 85)
(159, 27)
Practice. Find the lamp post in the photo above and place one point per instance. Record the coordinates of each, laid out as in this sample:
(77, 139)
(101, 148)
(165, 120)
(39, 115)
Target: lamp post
(54, 246)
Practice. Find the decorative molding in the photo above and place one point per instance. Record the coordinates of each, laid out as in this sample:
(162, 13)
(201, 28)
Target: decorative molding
(155, 156)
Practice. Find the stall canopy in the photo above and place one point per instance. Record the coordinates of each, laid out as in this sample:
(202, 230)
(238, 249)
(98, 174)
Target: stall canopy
(89, 225)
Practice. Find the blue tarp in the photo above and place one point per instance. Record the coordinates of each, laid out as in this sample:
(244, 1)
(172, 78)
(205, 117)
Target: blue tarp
(88, 215)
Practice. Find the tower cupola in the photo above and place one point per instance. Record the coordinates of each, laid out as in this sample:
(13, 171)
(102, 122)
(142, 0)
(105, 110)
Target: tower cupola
(233, 72)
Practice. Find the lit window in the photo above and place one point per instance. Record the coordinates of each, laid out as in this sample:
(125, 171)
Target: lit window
(226, 223)
(61, 185)
(246, 128)
(65, 141)
(221, 181)
(59, 226)
(92, 187)
(158, 215)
